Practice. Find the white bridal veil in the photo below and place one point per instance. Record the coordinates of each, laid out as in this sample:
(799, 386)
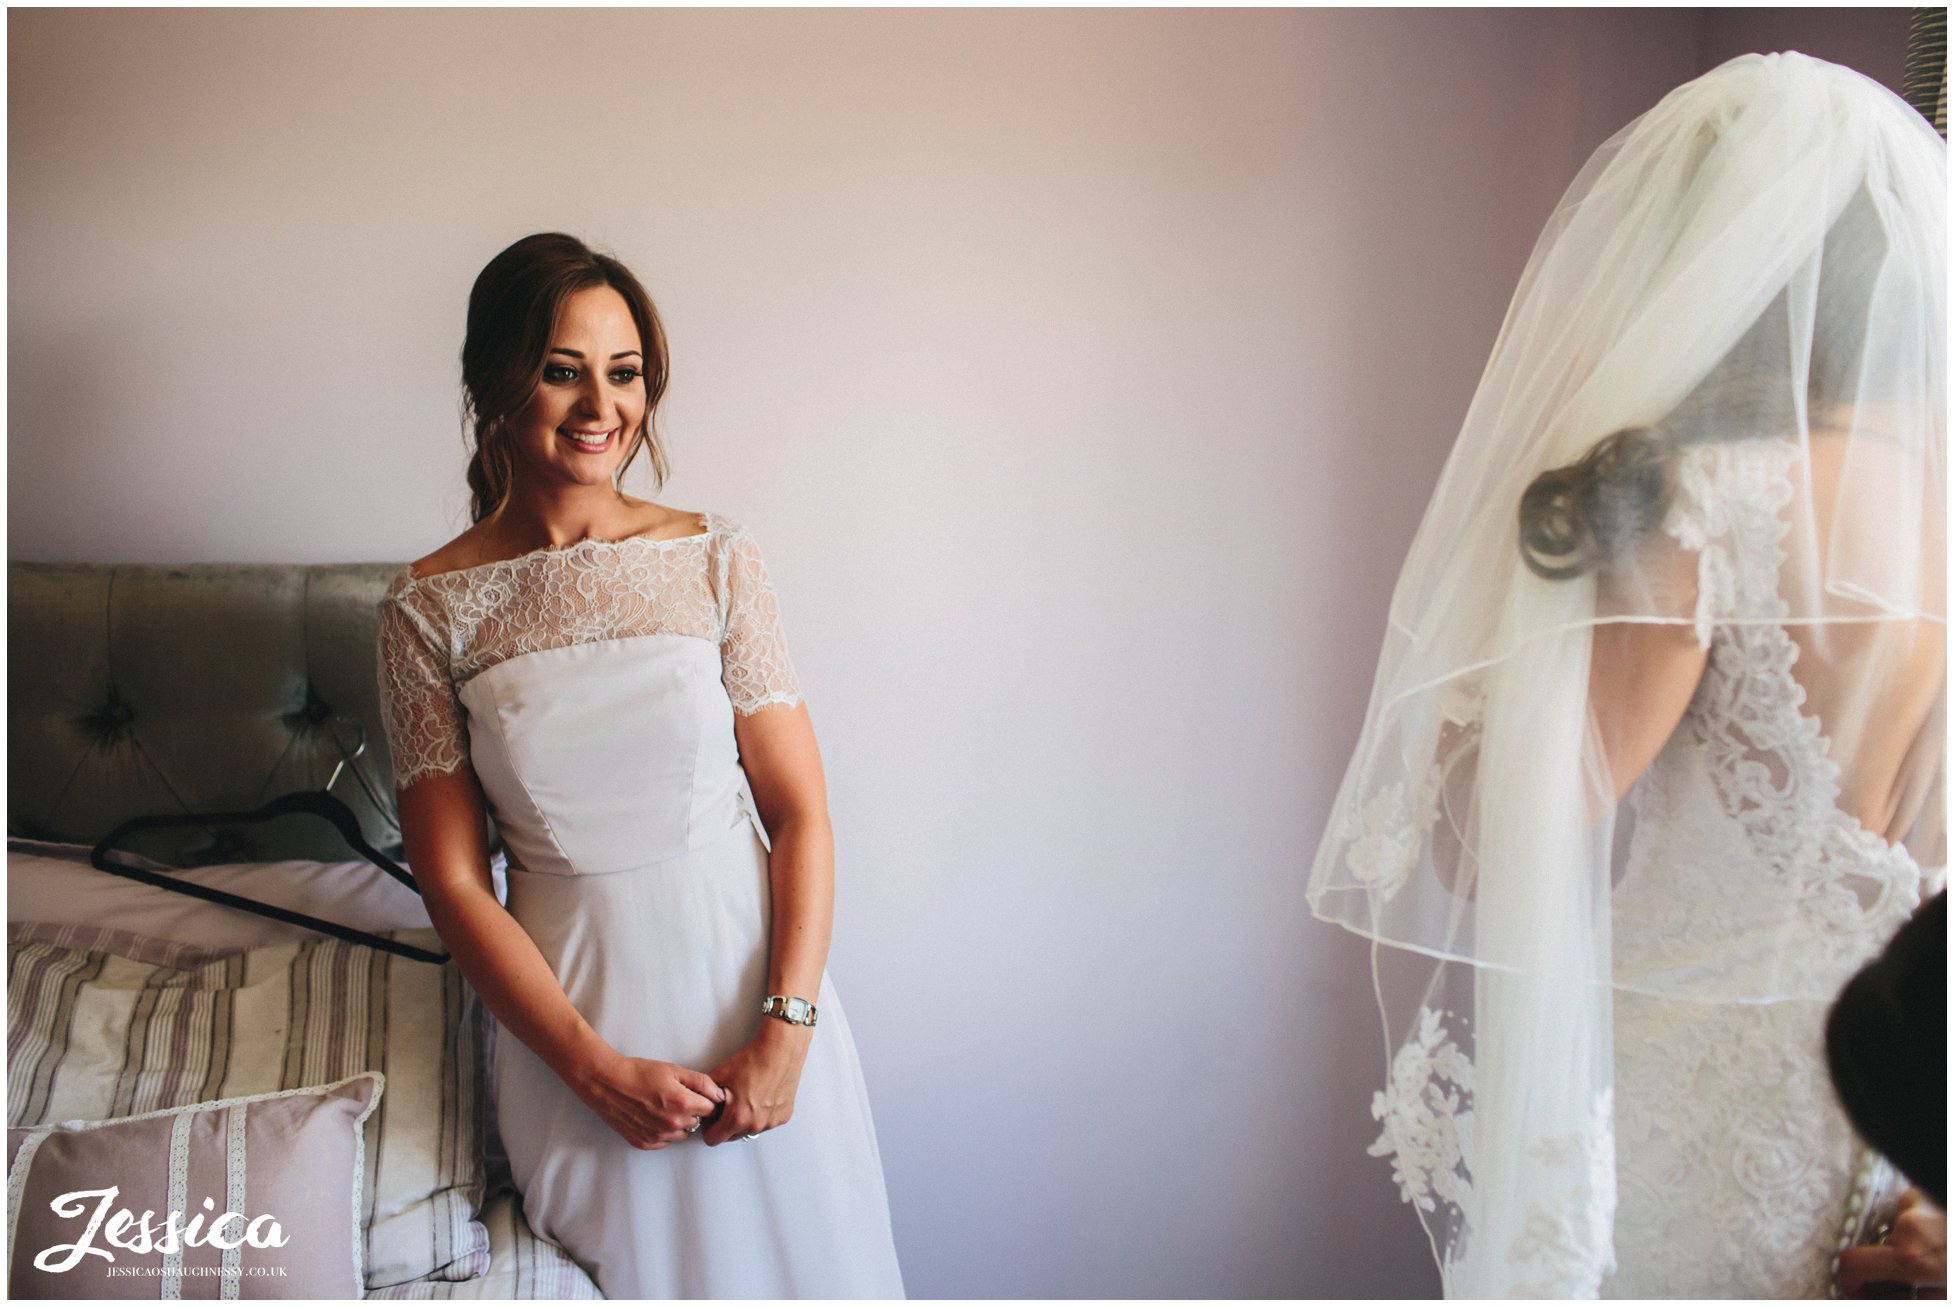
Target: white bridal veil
(1739, 302)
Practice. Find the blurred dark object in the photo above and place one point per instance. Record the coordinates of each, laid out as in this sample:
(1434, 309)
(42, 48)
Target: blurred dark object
(1886, 1040)
(1924, 84)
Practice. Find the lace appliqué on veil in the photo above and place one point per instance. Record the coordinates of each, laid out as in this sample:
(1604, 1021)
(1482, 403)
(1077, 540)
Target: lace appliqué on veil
(1385, 835)
(1564, 1245)
(1426, 1112)
(1567, 1245)
(439, 632)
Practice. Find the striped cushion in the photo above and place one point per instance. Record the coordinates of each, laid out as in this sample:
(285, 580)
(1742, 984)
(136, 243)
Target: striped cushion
(523, 1264)
(264, 1189)
(93, 1035)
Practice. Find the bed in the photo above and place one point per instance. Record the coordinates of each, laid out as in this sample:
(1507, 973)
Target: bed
(264, 1081)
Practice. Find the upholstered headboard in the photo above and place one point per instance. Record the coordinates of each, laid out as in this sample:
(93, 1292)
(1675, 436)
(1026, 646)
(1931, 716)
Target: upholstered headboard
(136, 690)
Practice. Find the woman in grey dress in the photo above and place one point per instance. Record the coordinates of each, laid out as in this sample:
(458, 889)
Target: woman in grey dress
(607, 678)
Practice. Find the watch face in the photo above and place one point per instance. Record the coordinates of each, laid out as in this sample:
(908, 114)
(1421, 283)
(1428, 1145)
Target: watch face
(797, 1010)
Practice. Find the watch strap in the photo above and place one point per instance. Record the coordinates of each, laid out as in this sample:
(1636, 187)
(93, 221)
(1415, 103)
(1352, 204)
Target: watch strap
(794, 1011)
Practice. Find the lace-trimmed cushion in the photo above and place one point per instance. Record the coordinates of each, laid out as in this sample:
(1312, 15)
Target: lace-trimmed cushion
(439, 632)
(266, 1188)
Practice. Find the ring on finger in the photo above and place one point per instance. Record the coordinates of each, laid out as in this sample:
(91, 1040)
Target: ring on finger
(693, 1129)
(755, 1135)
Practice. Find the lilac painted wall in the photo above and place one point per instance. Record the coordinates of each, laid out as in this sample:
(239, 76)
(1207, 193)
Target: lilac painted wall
(1084, 374)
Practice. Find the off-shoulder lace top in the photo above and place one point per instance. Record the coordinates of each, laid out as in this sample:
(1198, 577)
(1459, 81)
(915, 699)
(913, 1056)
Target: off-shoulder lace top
(438, 632)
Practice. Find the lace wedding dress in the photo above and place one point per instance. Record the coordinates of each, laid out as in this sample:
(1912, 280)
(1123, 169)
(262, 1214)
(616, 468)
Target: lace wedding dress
(1735, 1165)
(1707, 458)
(593, 691)
(1748, 898)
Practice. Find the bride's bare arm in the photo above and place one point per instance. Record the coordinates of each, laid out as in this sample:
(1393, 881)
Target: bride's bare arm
(651, 1104)
(783, 766)
(1642, 675)
(1640, 680)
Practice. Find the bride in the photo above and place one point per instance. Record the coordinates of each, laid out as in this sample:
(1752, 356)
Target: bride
(1653, 759)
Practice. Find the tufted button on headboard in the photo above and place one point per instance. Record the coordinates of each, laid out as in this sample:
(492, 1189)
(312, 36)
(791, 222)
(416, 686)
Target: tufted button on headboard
(136, 690)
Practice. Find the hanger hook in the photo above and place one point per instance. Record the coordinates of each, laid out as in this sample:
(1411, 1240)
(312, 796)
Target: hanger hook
(349, 759)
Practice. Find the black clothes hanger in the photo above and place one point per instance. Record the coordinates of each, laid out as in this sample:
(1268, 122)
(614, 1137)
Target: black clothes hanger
(316, 803)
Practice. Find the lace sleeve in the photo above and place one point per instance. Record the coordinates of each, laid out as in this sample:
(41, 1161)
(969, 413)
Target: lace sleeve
(418, 707)
(753, 653)
(1729, 495)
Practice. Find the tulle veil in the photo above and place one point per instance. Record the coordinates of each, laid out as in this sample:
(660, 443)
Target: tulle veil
(1747, 281)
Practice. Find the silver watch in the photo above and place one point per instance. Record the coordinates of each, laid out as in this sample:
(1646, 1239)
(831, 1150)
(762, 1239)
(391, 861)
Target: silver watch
(795, 1011)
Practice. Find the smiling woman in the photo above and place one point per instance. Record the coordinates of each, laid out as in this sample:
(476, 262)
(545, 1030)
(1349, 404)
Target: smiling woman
(590, 392)
(541, 311)
(607, 678)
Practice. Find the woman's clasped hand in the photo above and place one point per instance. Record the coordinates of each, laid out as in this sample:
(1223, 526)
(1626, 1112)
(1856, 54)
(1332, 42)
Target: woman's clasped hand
(651, 1104)
(759, 1082)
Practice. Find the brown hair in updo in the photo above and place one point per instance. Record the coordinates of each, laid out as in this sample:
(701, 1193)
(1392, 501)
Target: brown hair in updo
(1575, 518)
(511, 313)
(1585, 515)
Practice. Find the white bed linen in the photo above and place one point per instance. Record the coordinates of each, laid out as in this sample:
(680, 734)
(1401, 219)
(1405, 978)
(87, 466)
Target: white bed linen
(54, 883)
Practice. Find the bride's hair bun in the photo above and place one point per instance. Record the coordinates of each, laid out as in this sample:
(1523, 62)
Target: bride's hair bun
(1579, 517)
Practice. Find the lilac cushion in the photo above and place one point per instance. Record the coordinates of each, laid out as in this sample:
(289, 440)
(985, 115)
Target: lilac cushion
(277, 1176)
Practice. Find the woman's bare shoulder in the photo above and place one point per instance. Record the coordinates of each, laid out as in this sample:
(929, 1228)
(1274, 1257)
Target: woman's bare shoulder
(469, 549)
(657, 522)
